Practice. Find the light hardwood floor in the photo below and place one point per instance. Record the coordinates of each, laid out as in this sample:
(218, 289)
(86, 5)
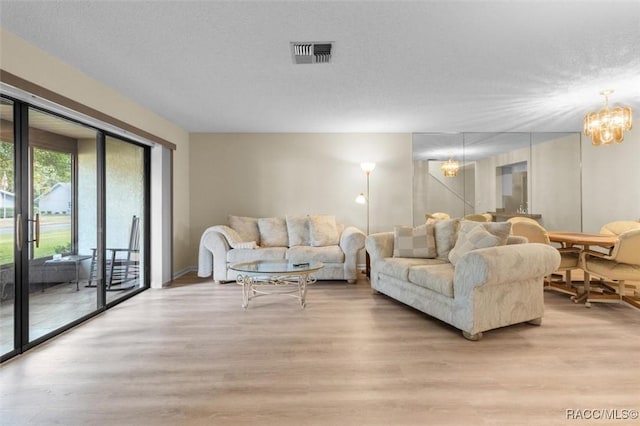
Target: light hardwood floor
(190, 355)
(51, 309)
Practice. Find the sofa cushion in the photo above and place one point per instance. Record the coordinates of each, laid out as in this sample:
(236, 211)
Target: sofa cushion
(323, 230)
(246, 227)
(502, 230)
(247, 255)
(476, 238)
(328, 254)
(438, 278)
(414, 242)
(298, 230)
(398, 267)
(273, 232)
(446, 233)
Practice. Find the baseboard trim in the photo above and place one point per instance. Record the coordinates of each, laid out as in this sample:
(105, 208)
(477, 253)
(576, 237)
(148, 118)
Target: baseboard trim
(183, 271)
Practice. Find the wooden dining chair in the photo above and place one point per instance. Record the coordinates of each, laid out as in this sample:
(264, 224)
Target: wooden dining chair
(622, 264)
(619, 226)
(477, 218)
(569, 256)
(522, 219)
(437, 215)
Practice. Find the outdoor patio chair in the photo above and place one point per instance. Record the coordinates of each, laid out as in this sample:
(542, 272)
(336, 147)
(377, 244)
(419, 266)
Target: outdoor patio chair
(122, 264)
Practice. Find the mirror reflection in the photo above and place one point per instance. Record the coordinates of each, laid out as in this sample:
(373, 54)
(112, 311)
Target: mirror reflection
(501, 175)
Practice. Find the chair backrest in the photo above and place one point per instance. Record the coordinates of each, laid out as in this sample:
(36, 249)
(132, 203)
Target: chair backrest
(488, 216)
(618, 227)
(477, 218)
(437, 215)
(521, 219)
(627, 248)
(534, 232)
(134, 236)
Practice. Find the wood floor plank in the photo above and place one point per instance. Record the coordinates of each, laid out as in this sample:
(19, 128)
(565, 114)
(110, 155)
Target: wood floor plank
(190, 355)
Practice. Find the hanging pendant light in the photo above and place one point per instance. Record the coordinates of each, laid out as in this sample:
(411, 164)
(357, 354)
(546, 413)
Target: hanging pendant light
(607, 125)
(450, 168)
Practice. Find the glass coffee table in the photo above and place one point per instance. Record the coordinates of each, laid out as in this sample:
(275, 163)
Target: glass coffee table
(292, 277)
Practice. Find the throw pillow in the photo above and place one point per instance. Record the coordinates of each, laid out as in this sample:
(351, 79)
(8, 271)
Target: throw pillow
(414, 242)
(477, 238)
(446, 234)
(273, 232)
(246, 227)
(298, 230)
(323, 231)
(502, 230)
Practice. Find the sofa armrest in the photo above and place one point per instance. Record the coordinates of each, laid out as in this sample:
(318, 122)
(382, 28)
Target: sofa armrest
(212, 255)
(503, 264)
(352, 240)
(379, 246)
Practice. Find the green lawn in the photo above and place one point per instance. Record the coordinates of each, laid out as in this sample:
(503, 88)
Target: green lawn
(50, 240)
(6, 248)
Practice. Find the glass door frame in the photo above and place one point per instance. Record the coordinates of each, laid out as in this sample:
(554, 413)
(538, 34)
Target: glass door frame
(21, 225)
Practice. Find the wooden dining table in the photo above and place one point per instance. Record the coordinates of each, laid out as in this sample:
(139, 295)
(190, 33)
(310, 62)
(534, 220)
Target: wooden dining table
(583, 239)
(586, 241)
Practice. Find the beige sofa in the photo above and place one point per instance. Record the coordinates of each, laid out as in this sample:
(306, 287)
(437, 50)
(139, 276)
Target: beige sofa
(454, 279)
(294, 238)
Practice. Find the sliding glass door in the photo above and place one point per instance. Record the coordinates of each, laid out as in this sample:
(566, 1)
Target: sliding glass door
(58, 270)
(73, 223)
(7, 229)
(125, 218)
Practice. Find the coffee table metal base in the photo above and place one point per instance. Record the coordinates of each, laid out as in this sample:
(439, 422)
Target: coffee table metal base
(293, 286)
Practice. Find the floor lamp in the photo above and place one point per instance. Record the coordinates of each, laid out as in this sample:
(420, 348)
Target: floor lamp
(364, 199)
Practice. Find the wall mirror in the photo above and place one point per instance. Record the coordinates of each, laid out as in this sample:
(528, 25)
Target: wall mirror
(504, 174)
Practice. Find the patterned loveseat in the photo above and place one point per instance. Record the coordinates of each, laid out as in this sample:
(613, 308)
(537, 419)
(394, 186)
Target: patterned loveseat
(294, 238)
(472, 275)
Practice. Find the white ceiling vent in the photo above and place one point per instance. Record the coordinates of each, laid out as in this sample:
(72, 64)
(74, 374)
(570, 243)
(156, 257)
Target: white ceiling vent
(311, 52)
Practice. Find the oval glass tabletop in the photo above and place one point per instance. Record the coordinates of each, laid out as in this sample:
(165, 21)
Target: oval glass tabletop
(276, 267)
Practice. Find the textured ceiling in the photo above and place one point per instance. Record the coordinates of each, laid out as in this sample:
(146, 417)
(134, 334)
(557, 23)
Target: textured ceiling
(431, 66)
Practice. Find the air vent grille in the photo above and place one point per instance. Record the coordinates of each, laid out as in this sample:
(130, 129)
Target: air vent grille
(311, 52)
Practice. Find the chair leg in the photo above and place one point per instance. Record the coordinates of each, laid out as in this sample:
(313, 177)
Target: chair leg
(110, 270)
(587, 289)
(93, 270)
(621, 289)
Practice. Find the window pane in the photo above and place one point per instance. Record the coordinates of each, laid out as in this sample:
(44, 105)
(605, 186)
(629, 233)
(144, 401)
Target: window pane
(59, 288)
(125, 202)
(7, 228)
(52, 194)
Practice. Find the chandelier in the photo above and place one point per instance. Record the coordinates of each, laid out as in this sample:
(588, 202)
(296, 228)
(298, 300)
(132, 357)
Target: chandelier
(607, 125)
(450, 168)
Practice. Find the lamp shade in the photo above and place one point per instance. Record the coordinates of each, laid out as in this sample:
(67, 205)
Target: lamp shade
(368, 167)
(361, 199)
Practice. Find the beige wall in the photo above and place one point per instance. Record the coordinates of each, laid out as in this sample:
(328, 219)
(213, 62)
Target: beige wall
(33, 64)
(610, 181)
(265, 175)
(555, 183)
